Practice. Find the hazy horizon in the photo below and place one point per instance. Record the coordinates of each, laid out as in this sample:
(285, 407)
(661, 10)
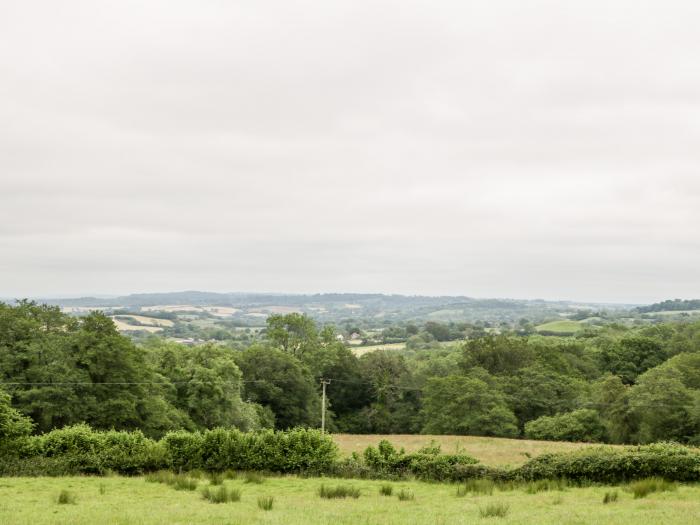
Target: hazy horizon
(487, 149)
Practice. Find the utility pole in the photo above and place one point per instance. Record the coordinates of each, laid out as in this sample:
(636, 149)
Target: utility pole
(324, 382)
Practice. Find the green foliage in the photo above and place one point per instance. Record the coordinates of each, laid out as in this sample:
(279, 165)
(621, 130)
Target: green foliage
(467, 405)
(339, 491)
(13, 425)
(579, 425)
(385, 461)
(613, 465)
(279, 381)
(296, 450)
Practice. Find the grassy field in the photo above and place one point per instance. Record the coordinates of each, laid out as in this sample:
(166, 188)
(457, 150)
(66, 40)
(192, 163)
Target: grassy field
(560, 327)
(120, 500)
(488, 450)
(362, 350)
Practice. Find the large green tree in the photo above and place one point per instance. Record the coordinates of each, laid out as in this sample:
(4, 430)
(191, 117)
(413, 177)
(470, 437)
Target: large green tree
(467, 405)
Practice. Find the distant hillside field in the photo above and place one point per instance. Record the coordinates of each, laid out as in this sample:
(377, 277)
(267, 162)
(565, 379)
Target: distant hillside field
(560, 327)
(488, 450)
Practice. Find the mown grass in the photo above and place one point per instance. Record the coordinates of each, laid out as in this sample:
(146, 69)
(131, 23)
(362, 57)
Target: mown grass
(295, 501)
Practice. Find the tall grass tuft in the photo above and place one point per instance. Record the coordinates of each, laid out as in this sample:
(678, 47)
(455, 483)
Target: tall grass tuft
(183, 482)
(215, 478)
(266, 502)
(339, 491)
(253, 477)
(103, 488)
(610, 497)
(405, 495)
(476, 486)
(542, 485)
(494, 510)
(221, 495)
(162, 476)
(65, 497)
(644, 487)
(386, 490)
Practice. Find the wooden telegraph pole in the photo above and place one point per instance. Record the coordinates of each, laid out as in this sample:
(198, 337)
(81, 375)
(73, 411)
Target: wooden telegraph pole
(324, 382)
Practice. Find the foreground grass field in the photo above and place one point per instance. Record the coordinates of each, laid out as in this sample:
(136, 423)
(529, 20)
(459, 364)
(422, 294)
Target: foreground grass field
(488, 450)
(119, 500)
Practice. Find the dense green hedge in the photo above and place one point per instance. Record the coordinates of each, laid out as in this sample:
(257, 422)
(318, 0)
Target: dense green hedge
(612, 465)
(80, 450)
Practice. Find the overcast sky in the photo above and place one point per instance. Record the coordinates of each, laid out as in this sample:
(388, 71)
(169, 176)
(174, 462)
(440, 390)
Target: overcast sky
(493, 148)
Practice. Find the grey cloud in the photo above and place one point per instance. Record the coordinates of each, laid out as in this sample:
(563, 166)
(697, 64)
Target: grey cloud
(528, 149)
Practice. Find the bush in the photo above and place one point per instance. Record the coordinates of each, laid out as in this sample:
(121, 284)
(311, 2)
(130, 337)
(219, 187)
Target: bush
(579, 425)
(291, 451)
(79, 449)
(613, 465)
(428, 464)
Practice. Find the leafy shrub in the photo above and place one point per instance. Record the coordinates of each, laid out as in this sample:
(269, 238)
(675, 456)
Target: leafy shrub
(386, 490)
(644, 487)
(579, 425)
(339, 491)
(296, 450)
(429, 464)
(610, 497)
(65, 497)
(494, 510)
(405, 495)
(613, 465)
(221, 495)
(266, 502)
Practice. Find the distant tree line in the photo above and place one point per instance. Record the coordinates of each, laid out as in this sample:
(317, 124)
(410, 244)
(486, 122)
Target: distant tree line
(614, 385)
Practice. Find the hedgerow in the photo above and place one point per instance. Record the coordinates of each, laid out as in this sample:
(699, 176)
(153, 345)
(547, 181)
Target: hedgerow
(81, 450)
(612, 465)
